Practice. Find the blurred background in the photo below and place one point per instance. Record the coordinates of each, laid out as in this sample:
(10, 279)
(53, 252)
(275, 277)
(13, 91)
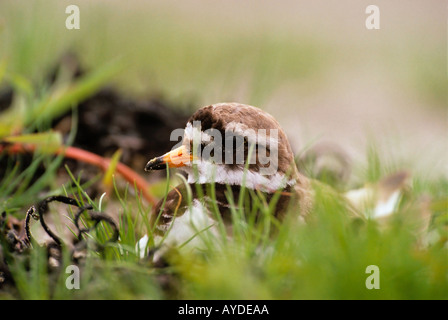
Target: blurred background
(312, 64)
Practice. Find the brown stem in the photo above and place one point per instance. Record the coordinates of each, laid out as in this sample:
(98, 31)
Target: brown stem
(85, 156)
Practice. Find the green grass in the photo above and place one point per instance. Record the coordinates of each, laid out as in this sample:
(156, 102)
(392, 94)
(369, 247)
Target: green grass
(325, 259)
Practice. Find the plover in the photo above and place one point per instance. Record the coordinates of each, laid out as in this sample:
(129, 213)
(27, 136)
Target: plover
(227, 148)
(230, 147)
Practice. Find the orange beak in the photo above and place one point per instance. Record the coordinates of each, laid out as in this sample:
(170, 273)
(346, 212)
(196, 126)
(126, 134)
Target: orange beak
(174, 159)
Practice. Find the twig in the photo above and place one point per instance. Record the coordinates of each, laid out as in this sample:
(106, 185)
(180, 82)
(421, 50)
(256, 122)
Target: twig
(85, 156)
(38, 211)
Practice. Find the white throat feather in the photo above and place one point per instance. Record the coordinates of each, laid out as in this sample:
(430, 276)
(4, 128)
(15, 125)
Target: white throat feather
(208, 172)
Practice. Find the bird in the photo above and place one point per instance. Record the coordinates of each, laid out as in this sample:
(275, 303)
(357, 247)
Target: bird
(232, 148)
(228, 149)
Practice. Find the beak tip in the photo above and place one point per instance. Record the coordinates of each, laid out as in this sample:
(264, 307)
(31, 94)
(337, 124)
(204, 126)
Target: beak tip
(155, 164)
(150, 165)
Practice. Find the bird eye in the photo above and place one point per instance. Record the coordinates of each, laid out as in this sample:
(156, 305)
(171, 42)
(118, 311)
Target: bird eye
(200, 147)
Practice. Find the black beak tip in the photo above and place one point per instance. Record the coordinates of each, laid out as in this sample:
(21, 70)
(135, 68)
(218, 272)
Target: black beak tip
(155, 164)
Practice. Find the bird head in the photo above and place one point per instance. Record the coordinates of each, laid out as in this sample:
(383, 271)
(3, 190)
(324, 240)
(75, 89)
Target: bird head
(232, 143)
